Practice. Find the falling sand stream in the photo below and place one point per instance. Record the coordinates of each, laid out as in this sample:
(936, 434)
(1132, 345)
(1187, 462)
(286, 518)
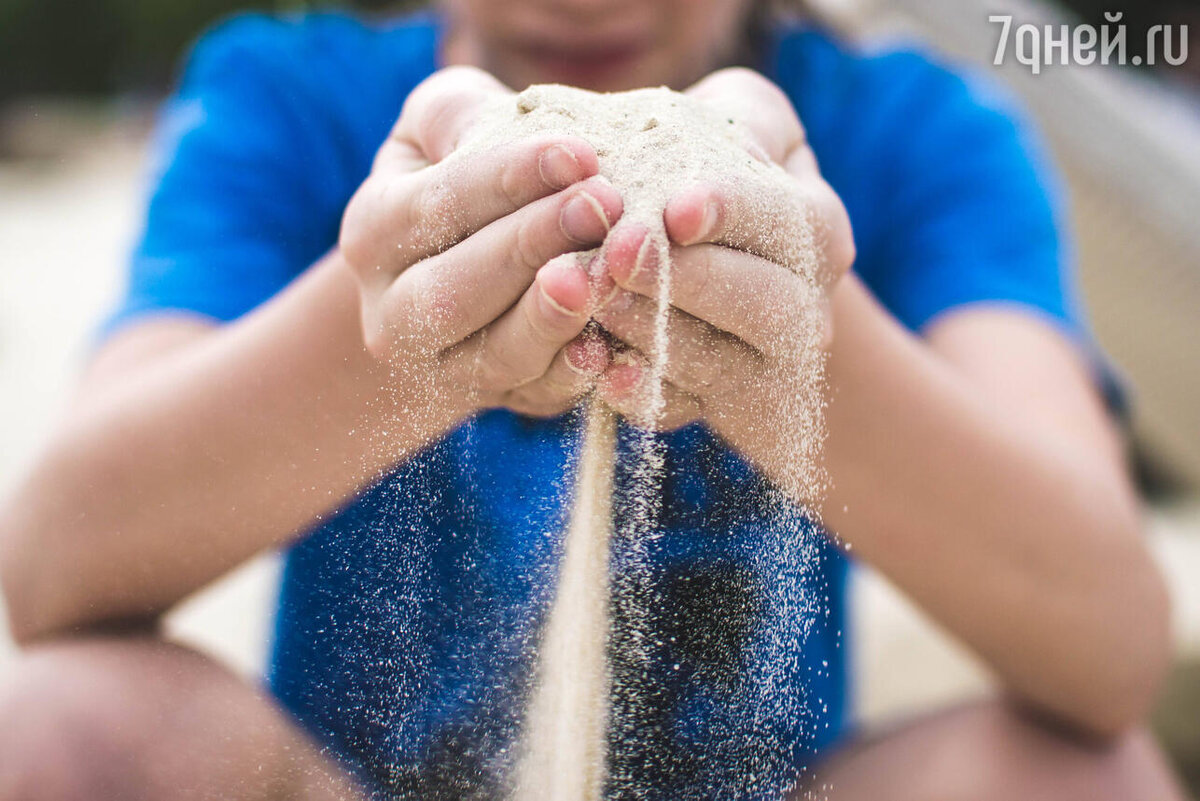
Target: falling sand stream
(651, 144)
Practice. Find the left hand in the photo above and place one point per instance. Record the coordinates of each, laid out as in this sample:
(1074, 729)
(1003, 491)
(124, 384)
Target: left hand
(734, 306)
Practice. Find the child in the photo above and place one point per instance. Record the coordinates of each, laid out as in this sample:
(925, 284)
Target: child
(346, 349)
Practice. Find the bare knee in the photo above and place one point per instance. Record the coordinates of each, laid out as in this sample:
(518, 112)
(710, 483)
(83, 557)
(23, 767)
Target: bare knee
(67, 735)
(992, 751)
(104, 718)
(1016, 754)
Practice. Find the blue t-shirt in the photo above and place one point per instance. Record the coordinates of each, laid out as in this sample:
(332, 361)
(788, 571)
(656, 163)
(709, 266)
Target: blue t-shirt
(404, 625)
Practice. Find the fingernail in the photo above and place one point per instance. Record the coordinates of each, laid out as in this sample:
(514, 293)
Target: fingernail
(576, 369)
(558, 167)
(578, 356)
(583, 219)
(558, 307)
(643, 255)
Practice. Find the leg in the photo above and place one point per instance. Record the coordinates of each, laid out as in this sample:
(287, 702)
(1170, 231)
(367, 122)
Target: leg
(990, 751)
(139, 719)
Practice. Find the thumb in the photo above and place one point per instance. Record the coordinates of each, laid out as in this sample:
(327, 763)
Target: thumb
(436, 115)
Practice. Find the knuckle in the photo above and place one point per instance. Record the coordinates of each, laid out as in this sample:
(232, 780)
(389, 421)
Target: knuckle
(435, 103)
(355, 242)
(443, 314)
(844, 250)
(491, 376)
(526, 246)
(563, 384)
(435, 108)
(417, 103)
(424, 317)
(838, 249)
(382, 341)
(427, 205)
(559, 388)
(547, 333)
(355, 251)
(377, 343)
(498, 371)
(704, 267)
(511, 183)
(379, 221)
(844, 253)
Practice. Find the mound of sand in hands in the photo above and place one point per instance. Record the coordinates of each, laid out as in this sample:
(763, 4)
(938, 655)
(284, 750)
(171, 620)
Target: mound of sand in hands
(651, 144)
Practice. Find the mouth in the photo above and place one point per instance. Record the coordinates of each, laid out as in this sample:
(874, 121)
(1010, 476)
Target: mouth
(584, 64)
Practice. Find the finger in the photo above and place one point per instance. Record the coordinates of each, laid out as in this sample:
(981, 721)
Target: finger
(442, 300)
(801, 225)
(432, 209)
(520, 346)
(571, 375)
(755, 300)
(627, 387)
(762, 217)
(759, 105)
(700, 359)
(436, 114)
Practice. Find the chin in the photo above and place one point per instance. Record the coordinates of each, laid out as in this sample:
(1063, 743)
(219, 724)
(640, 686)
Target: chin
(596, 77)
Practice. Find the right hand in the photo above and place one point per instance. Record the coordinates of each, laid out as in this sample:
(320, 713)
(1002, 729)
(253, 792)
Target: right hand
(461, 266)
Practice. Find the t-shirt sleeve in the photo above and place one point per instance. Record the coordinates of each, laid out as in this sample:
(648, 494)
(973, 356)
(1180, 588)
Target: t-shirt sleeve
(971, 211)
(232, 216)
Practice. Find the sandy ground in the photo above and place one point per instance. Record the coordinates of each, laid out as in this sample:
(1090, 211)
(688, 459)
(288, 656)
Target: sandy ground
(65, 225)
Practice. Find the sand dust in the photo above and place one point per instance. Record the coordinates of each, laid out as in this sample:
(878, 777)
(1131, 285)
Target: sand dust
(651, 143)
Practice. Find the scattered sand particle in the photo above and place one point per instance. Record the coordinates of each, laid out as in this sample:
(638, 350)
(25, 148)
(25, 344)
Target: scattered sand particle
(651, 143)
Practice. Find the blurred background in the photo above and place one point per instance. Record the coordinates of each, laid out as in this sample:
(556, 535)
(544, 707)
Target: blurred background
(79, 83)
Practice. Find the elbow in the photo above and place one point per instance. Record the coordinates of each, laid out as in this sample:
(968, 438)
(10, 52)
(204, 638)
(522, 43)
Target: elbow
(1126, 681)
(1147, 662)
(23, 626)
(24, 590)
(1131, 654)
(50, 585)
(24, 629)
(38, 602)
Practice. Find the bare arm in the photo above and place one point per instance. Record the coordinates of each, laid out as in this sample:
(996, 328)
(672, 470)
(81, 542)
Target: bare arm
(193, 446)
(975, 466)
(978, 470)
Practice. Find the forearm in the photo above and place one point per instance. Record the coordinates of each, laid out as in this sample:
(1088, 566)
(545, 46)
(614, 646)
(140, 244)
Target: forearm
(452, 289)
(173, 471)
(1018, 541)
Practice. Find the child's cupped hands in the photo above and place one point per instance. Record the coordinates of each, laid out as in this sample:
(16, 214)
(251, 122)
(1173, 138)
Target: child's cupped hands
(468, 278)
(751, 270)
(460, 262)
